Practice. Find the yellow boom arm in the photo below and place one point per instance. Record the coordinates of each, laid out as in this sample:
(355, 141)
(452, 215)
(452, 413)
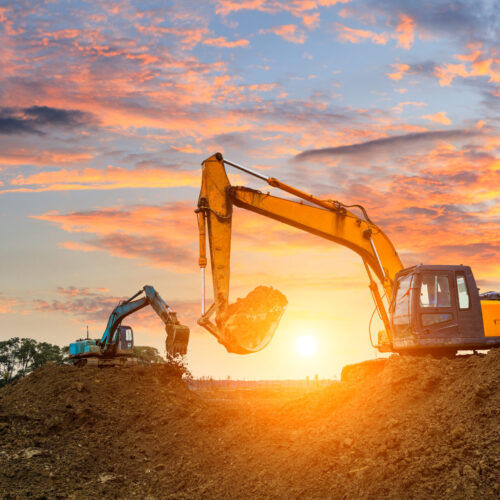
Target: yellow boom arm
(325, 218)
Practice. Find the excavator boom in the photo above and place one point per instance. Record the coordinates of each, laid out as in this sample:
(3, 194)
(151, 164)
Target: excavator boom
(325, 218)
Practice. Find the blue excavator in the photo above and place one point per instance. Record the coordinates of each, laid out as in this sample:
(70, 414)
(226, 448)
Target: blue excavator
(115, 348)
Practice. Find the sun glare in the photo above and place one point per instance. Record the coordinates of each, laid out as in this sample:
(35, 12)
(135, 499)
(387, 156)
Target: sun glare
(306, 345)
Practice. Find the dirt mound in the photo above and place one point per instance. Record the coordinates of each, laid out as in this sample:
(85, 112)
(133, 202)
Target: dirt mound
(67, 430)
(249, 323)
(420, 428)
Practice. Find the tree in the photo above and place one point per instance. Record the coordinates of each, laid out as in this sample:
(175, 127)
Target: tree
(8, 349)
(18, 357)
(147, 355)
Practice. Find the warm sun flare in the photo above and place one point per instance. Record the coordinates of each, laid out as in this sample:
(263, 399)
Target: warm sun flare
(306, 345)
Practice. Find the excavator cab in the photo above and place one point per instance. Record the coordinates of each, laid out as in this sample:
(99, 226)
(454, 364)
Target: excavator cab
(126, 338)
(437, 308)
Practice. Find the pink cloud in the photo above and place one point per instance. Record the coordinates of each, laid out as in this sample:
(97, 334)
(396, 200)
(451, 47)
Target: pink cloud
(405, 31)
(346, 34)
(475, 63)
(400, 70)
(158, 236)
(417, 104)
(18, 156)
(438, 118)
(295, 7)
(8, 304)
(222, 42)
(311, 21)
(289, 32)
(105, 178)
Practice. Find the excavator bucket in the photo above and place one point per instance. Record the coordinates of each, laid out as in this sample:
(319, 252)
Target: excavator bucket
(177, 339)
(249, 324)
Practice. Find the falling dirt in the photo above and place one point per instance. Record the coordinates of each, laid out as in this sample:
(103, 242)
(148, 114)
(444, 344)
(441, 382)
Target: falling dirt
(419, 428)
(250, 323)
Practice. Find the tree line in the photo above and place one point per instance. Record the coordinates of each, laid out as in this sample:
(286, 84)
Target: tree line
(20, 356)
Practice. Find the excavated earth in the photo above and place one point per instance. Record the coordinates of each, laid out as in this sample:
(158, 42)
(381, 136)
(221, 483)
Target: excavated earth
(415, 428)
(254, 318)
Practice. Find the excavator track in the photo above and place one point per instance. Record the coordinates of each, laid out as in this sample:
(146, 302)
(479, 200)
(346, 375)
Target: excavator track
(106, 362)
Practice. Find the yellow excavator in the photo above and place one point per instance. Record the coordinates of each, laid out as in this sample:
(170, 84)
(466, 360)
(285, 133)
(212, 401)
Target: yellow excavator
(433, 309)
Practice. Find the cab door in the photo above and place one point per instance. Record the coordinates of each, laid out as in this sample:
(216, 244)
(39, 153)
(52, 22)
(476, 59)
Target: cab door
(126, 338)
(470, 318)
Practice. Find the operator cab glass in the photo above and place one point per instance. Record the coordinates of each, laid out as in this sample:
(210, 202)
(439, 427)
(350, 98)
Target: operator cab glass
(435, 291)
(435, 294)
(126, 338)
(463, 293)
(402, 310)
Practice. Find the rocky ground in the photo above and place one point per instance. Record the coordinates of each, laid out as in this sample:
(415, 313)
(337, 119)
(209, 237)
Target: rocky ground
(416, 428)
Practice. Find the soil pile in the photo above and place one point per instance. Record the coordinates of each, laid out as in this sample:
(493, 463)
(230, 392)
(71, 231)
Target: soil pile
(67, 430)
(250, 323)
(419, 428)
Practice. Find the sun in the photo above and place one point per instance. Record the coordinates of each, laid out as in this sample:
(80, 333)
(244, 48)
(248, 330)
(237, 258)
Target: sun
(306, 345)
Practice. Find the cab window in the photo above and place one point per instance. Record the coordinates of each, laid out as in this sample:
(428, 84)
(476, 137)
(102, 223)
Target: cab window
(401, 315)
(463, 293)
(435, 291)
(128, 335)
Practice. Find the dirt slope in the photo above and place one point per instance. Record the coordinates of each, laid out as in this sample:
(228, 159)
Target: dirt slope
(421, 428)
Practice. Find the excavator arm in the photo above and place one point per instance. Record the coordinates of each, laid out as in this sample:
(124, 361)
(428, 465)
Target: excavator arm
(325, 218)
(177, 334)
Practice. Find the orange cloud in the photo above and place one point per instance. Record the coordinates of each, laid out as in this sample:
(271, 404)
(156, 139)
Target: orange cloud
(289, 32)
(438, 118)
(399, 108)
(405, 31)
(295, 7)
(441, 209)
(160, 236)
(346, 34)
(329, 3)
(225, 7)
(222, 42)
(93, 306)
(311, 21)
(448, 72)
(7, 22)
(401, 69)
(188, 36)
(188, 149)
(106, 178)
(475, 63)
(7, 304)
(42, 158)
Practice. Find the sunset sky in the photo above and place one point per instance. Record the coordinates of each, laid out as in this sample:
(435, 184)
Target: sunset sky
(108, 108)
